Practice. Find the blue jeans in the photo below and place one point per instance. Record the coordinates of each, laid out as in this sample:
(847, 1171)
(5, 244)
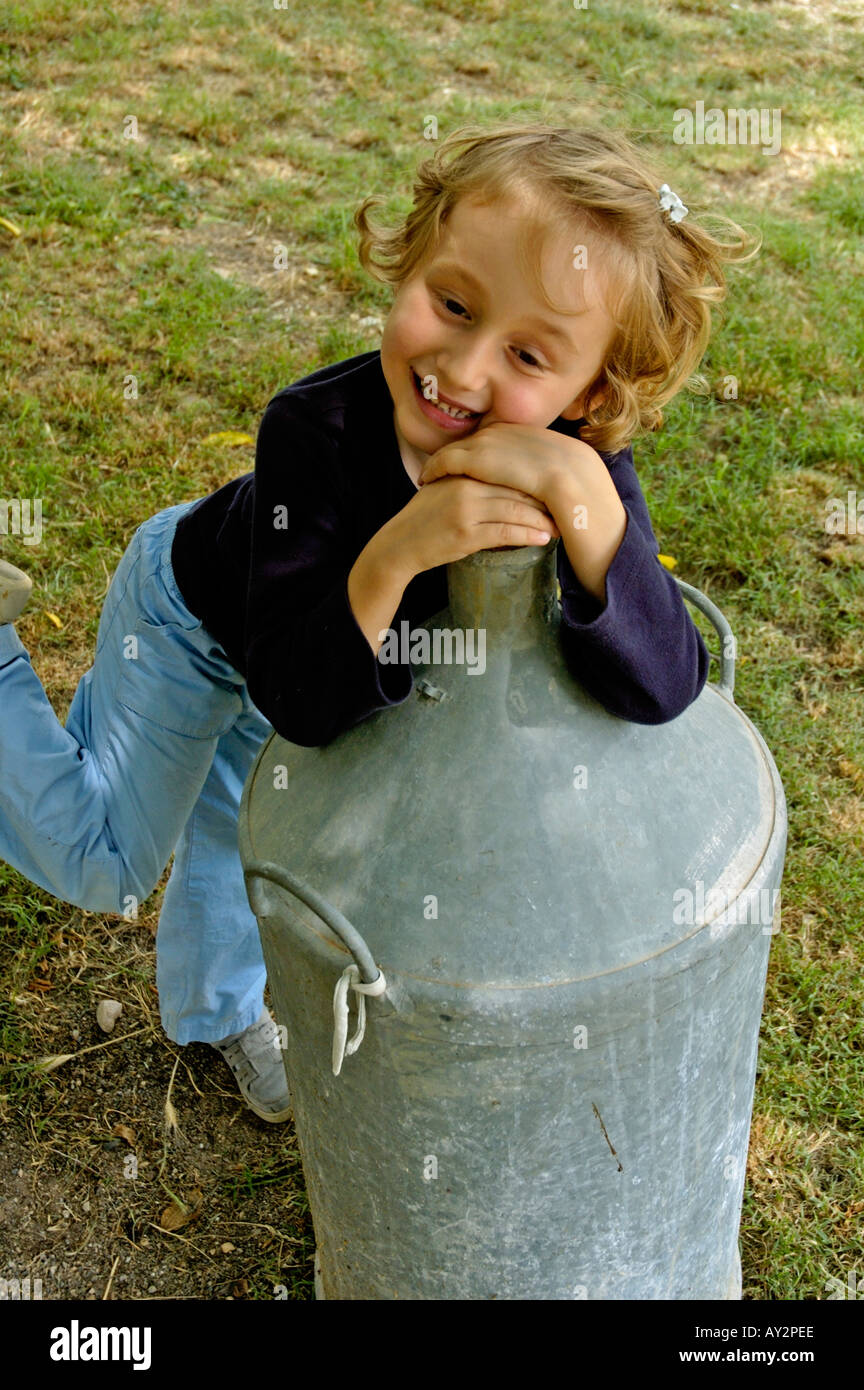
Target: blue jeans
(159, 739)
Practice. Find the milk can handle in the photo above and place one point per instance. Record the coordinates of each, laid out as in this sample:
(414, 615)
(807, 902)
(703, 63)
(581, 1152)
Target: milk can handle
(362, 975)
(727, 651)
(350, 936)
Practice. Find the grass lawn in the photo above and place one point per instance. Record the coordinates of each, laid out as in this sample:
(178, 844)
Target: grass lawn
(155, 155)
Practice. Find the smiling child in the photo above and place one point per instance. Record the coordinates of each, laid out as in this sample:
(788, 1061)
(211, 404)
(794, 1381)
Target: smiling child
(549, 299)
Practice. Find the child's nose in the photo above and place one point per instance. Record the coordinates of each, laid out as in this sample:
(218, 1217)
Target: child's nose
(466, 372)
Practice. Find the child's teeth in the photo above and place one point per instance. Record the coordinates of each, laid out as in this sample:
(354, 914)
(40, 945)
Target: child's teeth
(448, 409)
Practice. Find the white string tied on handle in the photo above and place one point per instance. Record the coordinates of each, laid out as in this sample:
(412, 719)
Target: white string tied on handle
(350, 979)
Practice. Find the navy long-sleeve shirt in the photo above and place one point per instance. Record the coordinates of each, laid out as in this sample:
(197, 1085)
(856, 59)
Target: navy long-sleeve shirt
(264, 563)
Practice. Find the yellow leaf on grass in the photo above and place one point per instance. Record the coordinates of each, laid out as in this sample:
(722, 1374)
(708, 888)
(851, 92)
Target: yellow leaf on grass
(230, 437)
(667, 561)
(10, 226)
(52, 618)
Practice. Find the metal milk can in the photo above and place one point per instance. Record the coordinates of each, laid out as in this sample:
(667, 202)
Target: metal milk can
(546, 931)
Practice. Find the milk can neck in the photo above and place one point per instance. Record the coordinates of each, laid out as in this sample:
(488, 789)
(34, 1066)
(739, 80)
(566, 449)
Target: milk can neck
(507, 590)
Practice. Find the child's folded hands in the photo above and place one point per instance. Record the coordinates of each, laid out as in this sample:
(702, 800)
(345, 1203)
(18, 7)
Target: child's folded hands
(566, 476)
(541, 462)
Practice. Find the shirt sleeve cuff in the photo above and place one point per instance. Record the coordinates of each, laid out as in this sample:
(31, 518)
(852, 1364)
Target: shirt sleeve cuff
(389, 683)
(584, 611)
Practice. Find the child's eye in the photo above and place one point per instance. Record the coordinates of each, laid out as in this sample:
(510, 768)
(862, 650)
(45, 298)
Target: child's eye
(532, 361)
(447, 301)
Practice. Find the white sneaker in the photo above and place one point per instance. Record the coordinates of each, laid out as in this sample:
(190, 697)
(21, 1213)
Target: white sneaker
(255, 1058)
(15, 590)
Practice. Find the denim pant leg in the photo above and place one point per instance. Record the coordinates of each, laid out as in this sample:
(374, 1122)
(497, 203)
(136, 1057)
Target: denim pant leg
(92, 811)
(209, 968)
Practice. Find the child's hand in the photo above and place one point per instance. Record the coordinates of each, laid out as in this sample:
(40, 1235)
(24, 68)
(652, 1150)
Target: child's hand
(534, 461)
(444, 521)
(456, 516)
(566, 477)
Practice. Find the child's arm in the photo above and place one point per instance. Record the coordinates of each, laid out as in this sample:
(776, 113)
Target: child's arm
(442, 523)
(626, 633)
(335, 544)
(637, 650)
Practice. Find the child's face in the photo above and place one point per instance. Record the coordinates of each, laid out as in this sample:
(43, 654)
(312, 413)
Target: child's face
(470, 318)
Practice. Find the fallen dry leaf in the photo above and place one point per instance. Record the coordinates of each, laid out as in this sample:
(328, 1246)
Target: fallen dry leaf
(174, 1216)
(124, 1132)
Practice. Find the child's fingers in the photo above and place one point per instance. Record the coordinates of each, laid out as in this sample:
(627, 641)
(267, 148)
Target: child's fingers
(455, 460)
(503, 490)
(523, 509)
(514, 514)
(506, 533)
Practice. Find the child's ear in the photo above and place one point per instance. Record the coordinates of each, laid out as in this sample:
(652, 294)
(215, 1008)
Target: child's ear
(576, 409)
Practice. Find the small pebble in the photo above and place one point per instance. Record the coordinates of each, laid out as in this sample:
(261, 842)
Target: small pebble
(107, 1013)
(226, 1248)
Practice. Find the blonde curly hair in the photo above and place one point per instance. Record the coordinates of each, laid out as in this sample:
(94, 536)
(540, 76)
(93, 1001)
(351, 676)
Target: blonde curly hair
(662, 277)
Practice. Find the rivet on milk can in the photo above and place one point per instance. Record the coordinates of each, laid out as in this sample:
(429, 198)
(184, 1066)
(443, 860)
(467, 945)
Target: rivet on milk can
(564, 920)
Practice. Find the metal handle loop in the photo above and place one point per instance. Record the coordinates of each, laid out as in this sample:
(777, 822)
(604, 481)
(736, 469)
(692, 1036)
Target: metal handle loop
(363, 976)
(724, 631)
(257, 869)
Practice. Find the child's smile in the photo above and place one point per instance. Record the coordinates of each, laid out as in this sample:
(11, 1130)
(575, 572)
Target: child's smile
(470, 331)
(441, 410)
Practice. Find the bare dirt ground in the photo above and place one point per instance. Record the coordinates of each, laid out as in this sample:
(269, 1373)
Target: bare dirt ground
(139, 1172)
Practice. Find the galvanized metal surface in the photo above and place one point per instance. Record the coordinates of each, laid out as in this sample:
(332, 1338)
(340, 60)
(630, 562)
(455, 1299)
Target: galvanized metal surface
(553, 1097)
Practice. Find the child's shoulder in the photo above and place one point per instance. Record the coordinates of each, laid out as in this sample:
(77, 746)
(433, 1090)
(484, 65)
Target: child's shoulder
(328, 390)
(327, 427)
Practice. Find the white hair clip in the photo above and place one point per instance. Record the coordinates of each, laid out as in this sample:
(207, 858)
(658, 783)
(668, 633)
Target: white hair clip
(671, 203)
